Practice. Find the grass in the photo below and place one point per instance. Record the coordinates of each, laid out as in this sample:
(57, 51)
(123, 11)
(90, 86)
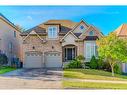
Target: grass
(6, 69)
(92, 85)
(92, 74)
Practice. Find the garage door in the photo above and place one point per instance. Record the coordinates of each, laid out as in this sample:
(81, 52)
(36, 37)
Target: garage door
(124, 67)
(53, 59)
(33, 60)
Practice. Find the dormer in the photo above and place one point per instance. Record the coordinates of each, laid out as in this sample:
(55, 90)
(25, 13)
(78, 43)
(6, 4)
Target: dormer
(52, 30)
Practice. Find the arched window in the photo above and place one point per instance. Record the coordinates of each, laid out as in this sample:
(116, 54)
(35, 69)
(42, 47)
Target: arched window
(91, 33)
(81, 27)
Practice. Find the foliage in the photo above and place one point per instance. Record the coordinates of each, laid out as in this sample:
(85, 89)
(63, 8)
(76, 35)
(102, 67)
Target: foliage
(80, 57)
(74, 64)
(113, 50)
(106, 66)
(117, 69)
(20, 28)
(77, 62)
(5, 69)
(3, 59)
(100, 63)
(93, 63)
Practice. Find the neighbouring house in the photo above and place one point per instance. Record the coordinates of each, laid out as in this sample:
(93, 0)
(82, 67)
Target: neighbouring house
(55, 42)
(10, 40)
(121, 32)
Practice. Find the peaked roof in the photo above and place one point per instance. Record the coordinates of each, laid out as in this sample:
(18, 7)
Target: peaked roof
(121, 30)
(7, 21)
(37, 29)
(67, 23)
(65, 26)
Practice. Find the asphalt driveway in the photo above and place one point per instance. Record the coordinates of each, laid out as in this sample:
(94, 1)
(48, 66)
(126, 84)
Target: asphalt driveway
(32, 78)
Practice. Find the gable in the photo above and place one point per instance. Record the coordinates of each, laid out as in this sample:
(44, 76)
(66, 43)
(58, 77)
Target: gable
(81, 27)
(32, 33)
(96, 33)
(69, 39)
(122, 30)
(32, 40)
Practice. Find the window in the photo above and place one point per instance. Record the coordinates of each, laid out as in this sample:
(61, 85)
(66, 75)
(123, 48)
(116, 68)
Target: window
(15, 34)
(91, 49)
(82, 27)
(91, 33)
(52, 32)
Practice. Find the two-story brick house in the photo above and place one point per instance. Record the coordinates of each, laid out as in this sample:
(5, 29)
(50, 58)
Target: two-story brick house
(10, 39)
(54, 42)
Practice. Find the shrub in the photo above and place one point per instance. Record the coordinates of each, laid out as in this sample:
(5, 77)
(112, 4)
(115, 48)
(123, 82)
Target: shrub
(74, 64)
(80, 57)
(77, 62)
(117, 69)
(93, 63)
(3, 59)
(100, 63)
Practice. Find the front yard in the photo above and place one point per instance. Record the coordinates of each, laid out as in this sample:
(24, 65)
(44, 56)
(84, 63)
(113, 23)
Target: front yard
(6, 69)
(90, 74)
(93, 85)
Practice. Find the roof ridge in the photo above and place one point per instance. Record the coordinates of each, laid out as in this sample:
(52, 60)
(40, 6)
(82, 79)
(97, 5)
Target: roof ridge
(8, 21)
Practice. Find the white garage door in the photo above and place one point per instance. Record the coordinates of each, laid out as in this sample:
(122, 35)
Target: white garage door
(124, 67)
(53, 59)
(33, 60)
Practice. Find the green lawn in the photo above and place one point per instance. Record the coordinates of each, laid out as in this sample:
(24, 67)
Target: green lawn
(92, 74)
(92, 85)
(6, 69)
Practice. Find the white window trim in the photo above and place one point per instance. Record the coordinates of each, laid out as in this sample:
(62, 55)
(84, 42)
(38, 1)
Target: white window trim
(51, 37)
(85, 49)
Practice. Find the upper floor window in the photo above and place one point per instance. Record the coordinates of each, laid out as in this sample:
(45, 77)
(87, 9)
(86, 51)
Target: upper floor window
(15, 34)
(81, 27)
(52, 32)
(91, 33)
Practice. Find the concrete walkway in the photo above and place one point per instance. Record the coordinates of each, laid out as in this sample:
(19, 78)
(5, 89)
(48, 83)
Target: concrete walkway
(98, 81)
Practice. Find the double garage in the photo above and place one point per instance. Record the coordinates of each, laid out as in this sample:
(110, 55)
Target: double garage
(43, 60)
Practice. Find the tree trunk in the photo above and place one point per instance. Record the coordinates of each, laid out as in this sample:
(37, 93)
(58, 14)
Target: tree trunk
(112, 71)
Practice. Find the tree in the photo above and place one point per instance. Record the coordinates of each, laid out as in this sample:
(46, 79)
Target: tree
(81, 58)
(112, 49)
(20, 28)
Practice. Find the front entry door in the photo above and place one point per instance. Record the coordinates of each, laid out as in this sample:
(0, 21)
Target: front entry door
(69, 54)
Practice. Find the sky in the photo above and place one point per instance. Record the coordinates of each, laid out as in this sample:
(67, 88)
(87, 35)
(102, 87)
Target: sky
(105, 18)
